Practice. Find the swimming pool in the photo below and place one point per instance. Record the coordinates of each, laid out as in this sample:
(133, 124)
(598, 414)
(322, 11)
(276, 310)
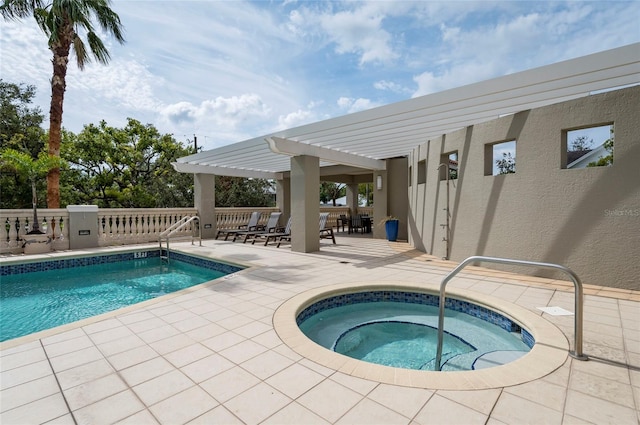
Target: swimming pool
(41, 295)
(399, 329)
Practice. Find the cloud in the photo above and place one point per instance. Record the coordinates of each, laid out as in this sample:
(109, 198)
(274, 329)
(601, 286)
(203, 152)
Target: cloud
(359, 32)
(354, 105)
(391, 86)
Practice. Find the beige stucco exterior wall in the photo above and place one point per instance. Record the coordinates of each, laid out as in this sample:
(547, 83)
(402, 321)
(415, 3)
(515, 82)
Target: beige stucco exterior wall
(586, 219)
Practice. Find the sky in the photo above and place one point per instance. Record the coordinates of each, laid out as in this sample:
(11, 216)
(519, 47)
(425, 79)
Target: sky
(227, 71)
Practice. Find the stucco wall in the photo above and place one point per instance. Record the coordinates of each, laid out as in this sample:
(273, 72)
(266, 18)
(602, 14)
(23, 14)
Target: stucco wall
(586, 219)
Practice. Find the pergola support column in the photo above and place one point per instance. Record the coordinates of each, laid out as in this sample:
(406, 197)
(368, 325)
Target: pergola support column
(305, 204)
(204, 199)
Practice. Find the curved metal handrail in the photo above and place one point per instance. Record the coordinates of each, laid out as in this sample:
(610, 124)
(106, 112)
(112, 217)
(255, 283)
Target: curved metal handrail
(579, 295)
(176, 227)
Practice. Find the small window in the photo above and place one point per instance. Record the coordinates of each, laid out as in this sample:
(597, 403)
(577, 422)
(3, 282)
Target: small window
(500, 158)
(588, 147)
(422, 171)
(451, 160)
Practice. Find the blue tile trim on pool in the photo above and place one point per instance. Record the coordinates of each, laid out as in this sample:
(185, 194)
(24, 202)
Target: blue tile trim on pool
(113, 258)
(416, 298)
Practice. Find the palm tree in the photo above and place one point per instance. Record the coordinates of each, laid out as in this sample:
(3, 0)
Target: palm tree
(64, 21)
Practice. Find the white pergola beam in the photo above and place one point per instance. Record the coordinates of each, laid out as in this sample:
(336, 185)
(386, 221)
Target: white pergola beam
(293, 148)
(225, 171)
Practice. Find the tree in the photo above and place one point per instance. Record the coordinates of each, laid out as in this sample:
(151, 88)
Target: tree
(604, 161)
(243, 192)
(331, 191)
(125, 168)
(20, 129)
(64, 21)
(581, 143)
(32, 170)
(506, 165)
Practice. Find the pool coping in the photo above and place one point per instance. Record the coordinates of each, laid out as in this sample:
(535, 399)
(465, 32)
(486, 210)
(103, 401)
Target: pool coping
(548, 354)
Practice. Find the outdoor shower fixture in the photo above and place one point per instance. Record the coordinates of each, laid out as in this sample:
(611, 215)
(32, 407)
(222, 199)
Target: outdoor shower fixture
(446, 225)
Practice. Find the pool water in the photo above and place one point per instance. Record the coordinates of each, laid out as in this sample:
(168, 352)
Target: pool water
(404, 335)
(31, 302)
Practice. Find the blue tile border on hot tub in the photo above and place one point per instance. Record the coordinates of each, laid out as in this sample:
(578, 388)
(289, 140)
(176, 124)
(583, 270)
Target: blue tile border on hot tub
(66, 263)
(416, 298)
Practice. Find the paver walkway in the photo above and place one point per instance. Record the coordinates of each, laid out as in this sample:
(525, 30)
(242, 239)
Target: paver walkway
(211, 355)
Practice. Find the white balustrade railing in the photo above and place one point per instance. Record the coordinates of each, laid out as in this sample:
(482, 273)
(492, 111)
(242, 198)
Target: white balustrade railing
(123, 226)
(14, 224)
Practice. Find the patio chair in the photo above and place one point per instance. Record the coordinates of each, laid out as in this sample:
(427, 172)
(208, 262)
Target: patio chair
(251, 225)
(326, 232)
(270, 227)
(279, 235)
(341, 222)
(356, 224)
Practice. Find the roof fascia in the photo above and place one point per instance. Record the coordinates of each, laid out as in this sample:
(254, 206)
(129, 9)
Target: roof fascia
(224, 171)
(292, 148)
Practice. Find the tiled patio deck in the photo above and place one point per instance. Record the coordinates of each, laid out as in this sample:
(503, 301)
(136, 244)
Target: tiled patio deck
(212, 356)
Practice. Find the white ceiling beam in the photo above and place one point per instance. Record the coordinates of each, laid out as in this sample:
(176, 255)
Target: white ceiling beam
(182, 167)
(293, 148)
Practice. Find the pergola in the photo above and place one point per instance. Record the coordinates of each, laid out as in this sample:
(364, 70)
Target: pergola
(362, 142)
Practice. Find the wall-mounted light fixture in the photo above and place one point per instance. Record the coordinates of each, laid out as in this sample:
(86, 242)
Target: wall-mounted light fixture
(379, 182)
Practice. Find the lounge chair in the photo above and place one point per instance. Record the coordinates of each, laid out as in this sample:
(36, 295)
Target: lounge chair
(251, 225)
(279, 235)
(270, 227)
(326, 232)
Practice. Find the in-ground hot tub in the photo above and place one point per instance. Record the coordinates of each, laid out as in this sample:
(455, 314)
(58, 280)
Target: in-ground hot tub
(537, 348)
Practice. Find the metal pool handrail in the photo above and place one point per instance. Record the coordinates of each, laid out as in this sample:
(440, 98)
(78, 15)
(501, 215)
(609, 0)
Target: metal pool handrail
(176, 227)
(577, 354)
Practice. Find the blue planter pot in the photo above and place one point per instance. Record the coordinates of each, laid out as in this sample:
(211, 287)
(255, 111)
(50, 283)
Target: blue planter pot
(391, 227)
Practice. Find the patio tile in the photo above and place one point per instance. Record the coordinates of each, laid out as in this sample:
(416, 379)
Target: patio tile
(158, 333)
(13, 360)
(20, 375)
(482, 401)
(188, 354)
(229, 384)
(109, 410)
(112, 334)
(222, 341)
(132, 357)
(257, 403)
(235, 321)
(595, 410)
(541, 392)
(184, 406)
(77, 358)
(62, 420)
(171, 343)
(517, 410)
(404, 400)
(440, 410)
(295, 414)
(295, 380)
(252, 329)
(68, 346)
(359, 385)
(205, 368)
(266, 364)
(329, 400)
(142, 417)
(218, 415)
(269, 339)
(243, 351)
(603, 388)
(145, 371)
(162, 387)
(205, 332)
(84, 394)
(28, 392)
(39, 411)
(122, 344)
(84, 373)
(369, 412)
(63, 336)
